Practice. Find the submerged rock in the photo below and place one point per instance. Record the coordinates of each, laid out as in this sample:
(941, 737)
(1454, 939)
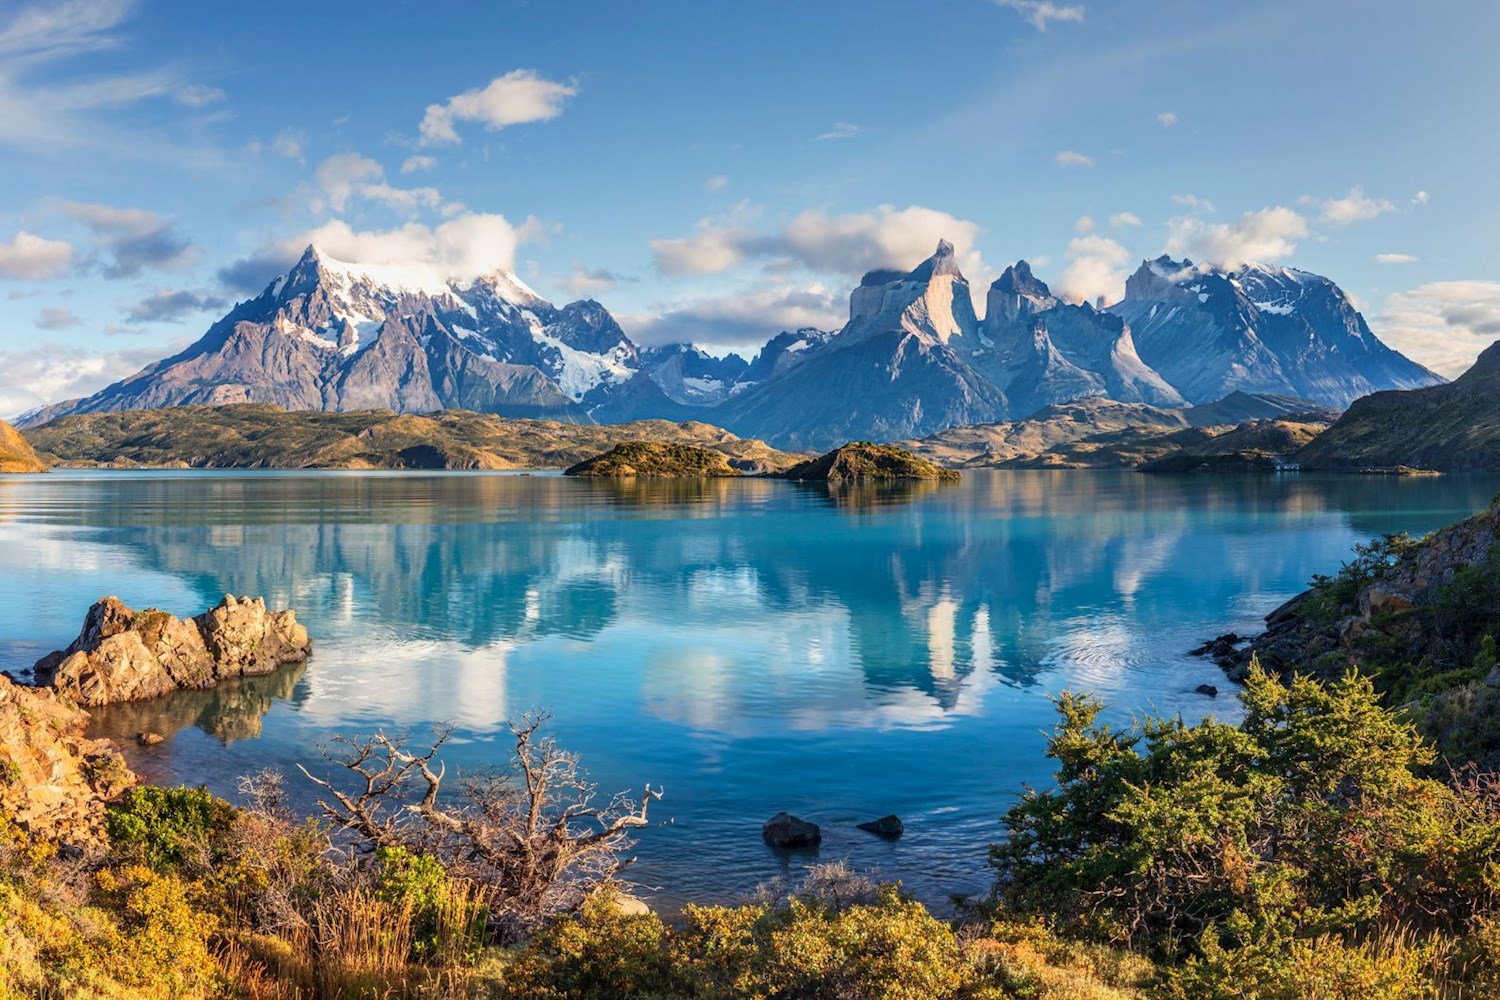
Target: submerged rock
(785, 831)
(54, 780)
(889, 827)
(1207, 690)
(125, 655)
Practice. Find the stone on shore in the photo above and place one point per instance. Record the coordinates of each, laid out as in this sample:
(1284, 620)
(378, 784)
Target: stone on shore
(124, 655)
(787, 831)
(54, 780)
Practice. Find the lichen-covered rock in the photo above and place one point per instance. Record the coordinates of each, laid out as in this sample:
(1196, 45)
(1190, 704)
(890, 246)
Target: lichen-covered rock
(54, 780)
(124, 655)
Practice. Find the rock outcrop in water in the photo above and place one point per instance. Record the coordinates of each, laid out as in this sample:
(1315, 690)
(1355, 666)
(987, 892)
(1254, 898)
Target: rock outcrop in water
(862, 461)
(125, 655)
(54, 780)
(657, 460)
(785, 831)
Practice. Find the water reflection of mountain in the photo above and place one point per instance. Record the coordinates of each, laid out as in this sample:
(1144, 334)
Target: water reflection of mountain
(921, 598)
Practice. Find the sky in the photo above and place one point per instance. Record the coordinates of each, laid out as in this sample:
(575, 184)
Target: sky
(716, 173)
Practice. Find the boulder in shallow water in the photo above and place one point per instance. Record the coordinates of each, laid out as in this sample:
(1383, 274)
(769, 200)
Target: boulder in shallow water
(889, 827)
(124, 655)
(787, 831)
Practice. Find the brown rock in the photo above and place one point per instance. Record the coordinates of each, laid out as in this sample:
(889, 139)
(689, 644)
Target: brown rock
(149, 739)
(124, 655)
(54, 780)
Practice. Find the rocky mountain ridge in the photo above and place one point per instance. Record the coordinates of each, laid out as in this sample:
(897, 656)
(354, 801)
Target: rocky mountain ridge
(913, 358)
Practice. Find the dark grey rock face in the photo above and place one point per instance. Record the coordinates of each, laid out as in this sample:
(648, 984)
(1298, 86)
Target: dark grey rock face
(889, 827)
(786, 831)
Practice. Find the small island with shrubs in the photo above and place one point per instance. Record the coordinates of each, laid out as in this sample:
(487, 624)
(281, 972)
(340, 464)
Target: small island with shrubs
(862, 461)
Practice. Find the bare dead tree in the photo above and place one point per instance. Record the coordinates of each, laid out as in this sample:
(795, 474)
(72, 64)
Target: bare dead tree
(537, 837)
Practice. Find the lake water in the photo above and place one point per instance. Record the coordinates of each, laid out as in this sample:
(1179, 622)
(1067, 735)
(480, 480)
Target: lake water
(749, 645)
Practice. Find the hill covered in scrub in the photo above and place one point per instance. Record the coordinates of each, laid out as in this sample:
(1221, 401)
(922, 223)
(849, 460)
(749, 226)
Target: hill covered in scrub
(656, 460)
(1449, 428)
(862, 461)
(16, 453)
(262, 436)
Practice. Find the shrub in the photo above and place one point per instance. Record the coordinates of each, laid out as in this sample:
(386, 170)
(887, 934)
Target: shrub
(168, 828)
(1306, 819)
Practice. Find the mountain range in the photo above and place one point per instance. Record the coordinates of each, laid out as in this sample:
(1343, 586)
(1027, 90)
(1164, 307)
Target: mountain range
(913, 358)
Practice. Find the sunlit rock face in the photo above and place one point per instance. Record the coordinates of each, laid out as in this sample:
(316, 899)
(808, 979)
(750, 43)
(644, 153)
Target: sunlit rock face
(1260, 328)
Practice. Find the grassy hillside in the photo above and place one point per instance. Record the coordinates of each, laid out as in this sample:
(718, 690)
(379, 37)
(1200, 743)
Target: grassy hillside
(1450, 428)
(261, 436)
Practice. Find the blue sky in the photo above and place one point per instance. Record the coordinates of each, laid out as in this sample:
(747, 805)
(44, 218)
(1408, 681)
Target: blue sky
(719, 172)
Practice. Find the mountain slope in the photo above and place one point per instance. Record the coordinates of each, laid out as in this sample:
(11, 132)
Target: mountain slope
(16, 454)
(1040, 350)
(1451, 428)
(1258, 328)
(897, 369)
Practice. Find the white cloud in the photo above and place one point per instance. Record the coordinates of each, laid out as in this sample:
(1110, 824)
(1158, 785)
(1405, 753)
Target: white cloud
(1443, 324)
(55, 372)
(33, 258)
(291, 143)
(1038, 13)
(841, 130)
(1267, 235)
(56, 318)
(350, 175)
(1085, 224)
(708, 251)
(1167, 118)
(413, 164)
(843, 244)
(198, 95)
(1097, 267)
(742, 319)
(459, 249)
(1122, 219)
(516, 98)
(1073, 158)
(137, 239)
(67, 114)
(1194, 203)
(1395, 258)
(718, 182)
(586, 282)
(1421, 198)
(1355, 206)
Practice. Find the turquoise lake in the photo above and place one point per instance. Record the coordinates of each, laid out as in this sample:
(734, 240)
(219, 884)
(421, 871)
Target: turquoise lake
(749, 645)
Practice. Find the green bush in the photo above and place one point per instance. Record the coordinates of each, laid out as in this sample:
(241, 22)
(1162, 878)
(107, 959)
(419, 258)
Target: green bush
(1307, 819)
(168, 828)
